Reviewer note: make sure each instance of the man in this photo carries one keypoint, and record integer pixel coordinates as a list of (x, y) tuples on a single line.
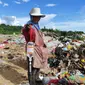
[(32, 33)]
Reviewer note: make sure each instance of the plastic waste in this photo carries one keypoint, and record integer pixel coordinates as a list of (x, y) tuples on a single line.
[(69, 47), (83, 60), (2, 45), (72, 77), (30, 48)]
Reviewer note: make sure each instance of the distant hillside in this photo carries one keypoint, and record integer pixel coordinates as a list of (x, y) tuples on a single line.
[(62, 33), (7, 29)]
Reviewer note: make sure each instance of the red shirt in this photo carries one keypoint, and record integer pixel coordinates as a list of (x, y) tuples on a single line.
[(29, 34)]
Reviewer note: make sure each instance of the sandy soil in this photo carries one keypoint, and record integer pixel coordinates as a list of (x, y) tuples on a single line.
[(13, 64)]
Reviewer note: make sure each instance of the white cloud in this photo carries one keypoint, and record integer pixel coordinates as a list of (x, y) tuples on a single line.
[(13, 20), (36, 5), (48, 17), (47, 21), (67, 26), (72, 25), (20, 1), (9, 19), (0, 21), (44, 21), (23, 20), (5, 4), (17, 2), (1, 2), (51, 5), (25, 0)]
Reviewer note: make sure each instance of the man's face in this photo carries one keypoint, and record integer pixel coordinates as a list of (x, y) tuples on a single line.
[(36, 19)]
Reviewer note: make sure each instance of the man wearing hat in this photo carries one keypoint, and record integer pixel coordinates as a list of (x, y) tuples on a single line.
[(32, 33)]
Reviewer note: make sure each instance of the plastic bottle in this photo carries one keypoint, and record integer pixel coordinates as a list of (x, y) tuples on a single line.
[(30, 48)]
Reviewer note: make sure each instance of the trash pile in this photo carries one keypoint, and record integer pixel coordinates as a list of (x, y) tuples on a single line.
[(64, 78), (10, 44), (67, 65), (67, 60)]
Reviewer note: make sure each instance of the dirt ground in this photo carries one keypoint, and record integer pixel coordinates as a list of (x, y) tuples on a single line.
[(13, 61), (13, 64)]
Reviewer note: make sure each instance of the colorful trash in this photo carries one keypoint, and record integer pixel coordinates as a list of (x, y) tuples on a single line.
[(69, 47), (72, 77), (82, 78), (2, 45), (83, 60)]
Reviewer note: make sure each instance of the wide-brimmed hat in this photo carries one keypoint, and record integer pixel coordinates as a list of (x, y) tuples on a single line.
[(36, 12)]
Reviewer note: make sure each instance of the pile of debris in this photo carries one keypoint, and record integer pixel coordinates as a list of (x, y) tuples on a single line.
[(66, 62), (69, 58)]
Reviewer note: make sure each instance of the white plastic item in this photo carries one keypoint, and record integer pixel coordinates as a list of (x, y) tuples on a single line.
[(30, 48)]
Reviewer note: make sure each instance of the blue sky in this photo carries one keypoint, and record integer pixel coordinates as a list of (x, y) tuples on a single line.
[(61, 14)]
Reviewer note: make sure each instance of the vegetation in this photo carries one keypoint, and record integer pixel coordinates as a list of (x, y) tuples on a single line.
[(63, 33), (7, 29), (74, 35)]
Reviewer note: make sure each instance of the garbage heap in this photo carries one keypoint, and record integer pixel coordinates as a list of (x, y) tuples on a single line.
[(67, 64), (67, 60)]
